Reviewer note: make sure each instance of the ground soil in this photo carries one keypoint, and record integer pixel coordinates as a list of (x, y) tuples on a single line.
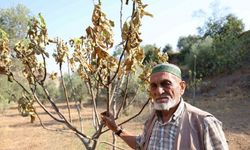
[(226, 96)]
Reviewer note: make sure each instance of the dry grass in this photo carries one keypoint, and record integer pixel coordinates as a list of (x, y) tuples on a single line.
[(16, 132)]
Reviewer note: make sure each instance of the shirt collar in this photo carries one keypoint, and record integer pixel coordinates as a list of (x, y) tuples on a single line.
[(178, 111), (176, 114)]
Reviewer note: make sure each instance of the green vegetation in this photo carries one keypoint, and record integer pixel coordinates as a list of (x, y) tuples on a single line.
[(220, 47), (14, 21)]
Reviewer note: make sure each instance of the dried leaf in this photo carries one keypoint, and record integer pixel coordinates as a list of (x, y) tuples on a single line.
[(144, 13), (128, 63), (101, 53), (53, 76)]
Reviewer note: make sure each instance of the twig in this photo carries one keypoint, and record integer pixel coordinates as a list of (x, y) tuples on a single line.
[(133, 99), (121, 8), (125, 47), (74, 98), (20, 84), (65, 121), (110, 144), (41, 123), (131, 117), (127, 2), (45, 109), (124, 99), (65, 92), (93, 96), (45, 69)]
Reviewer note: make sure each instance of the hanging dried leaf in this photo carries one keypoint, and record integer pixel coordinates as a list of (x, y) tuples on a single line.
[(53, 76), (101, 53), (5, 61), (25, 106), (61, 52)]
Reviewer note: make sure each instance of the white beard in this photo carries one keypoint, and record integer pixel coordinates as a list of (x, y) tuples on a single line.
[(164, 106)]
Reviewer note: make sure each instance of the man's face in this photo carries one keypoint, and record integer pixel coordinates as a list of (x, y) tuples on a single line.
[(166, 90)]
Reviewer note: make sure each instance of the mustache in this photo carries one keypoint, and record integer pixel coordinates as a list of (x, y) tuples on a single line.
[(165, 95)]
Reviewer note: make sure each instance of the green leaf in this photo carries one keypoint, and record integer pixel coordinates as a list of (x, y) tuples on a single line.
[(43, 24), (3, 34)]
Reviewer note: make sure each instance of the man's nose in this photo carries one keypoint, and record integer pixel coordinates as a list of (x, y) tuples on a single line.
[(160, 90)]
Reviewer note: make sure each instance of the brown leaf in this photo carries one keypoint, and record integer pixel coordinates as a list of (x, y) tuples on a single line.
[(144, 13), (53, 76), (128, 63), (101, 53)]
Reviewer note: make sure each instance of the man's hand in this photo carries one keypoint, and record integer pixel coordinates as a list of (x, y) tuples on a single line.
[(109, 121)]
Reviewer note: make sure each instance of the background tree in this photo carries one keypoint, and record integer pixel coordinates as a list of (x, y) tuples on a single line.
[(184, 46), (225, 52), (153, 55), (77, 89), (167, 49), (14, 21)]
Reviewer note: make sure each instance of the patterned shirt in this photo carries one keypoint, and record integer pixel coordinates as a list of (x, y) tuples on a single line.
[(164, 134)]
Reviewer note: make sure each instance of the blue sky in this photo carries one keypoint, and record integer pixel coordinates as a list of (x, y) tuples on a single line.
[(172, 18)]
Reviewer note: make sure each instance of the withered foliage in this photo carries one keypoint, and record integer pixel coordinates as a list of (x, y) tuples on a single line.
[(88, 55), (5, 60)]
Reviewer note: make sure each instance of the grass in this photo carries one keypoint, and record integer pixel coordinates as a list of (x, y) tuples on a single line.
[(17, 131)]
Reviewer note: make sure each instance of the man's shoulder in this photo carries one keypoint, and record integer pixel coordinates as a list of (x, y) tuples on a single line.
[(196, 111), (198, 114)]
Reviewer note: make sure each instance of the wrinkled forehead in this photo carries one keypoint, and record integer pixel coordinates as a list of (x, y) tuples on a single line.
[(167, 67), (163, 76)]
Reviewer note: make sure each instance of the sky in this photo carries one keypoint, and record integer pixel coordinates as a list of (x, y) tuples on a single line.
[(172, 18)]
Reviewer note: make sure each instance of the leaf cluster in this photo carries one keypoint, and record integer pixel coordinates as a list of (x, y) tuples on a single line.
[(5, 60)]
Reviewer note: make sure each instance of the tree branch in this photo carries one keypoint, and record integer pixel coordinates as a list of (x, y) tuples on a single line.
[(110, 144), (125, 47), (131, 117), (65, 91)]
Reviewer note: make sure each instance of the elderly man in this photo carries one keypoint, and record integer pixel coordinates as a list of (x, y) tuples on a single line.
[(174, 124)]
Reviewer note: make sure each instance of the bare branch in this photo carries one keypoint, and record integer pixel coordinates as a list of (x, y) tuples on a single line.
[(65, 91), (124, 98), (94, 96), (98, 132), (121, 8), (132, 100), (108, 88), (123, 52), (127, 2), (132, 116), (110, 144), (46, 110), (74, 98), (20, 84), (65, 121), (45, 69), (43, 125)]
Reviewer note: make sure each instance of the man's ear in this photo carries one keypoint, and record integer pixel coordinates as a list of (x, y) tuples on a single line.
[(183, 87)]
